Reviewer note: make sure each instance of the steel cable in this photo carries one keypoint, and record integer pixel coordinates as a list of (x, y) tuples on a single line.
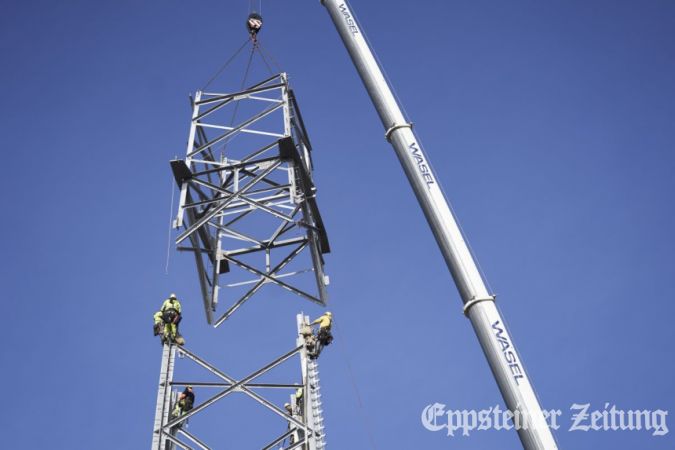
[(364, 417), (262, 56), (227, 63), (263, 51)]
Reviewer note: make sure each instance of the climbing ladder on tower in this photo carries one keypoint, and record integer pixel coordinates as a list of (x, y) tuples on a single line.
[(315, 401), (313, 410)]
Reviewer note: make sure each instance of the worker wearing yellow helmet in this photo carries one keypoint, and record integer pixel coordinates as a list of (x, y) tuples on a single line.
[(171, 303), (170, 315), (324, 321), (324, 335), (299, 398)]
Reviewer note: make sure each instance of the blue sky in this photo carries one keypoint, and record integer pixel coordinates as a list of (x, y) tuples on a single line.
[(550, 125)]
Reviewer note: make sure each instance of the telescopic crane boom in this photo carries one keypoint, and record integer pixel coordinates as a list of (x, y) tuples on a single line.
[(479, 305)]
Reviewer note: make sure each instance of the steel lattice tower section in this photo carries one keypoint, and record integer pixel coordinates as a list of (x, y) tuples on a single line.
[(247, 202), (248, 214), (304, 422)]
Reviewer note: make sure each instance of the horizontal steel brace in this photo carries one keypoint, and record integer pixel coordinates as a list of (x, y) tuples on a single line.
[(240, 94), (226, 385), (241, 130), (239, 165), (264, 246)]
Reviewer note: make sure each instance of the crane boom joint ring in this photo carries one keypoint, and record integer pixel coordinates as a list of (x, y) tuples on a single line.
[(395, 127), (473, 301)]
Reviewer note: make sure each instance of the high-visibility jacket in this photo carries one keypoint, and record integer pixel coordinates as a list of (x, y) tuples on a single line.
[(186, 400), (170, 303), (323, 321)]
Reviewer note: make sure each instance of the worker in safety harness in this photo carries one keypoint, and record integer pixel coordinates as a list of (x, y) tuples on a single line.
[(167, 320), (299, 402), (295, 410), (186, 401), (289, 411), (324, 335)]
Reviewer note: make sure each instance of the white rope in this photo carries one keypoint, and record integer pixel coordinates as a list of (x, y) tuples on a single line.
[(168, 244)]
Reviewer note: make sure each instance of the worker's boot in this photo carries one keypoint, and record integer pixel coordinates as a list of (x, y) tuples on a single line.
[(310, 344), (314, 353), (179, 340)]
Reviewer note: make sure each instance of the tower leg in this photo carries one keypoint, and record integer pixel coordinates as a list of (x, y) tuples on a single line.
[(312, 409), (162, 410)]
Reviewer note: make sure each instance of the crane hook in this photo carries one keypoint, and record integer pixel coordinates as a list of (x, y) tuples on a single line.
[(254, 24)]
